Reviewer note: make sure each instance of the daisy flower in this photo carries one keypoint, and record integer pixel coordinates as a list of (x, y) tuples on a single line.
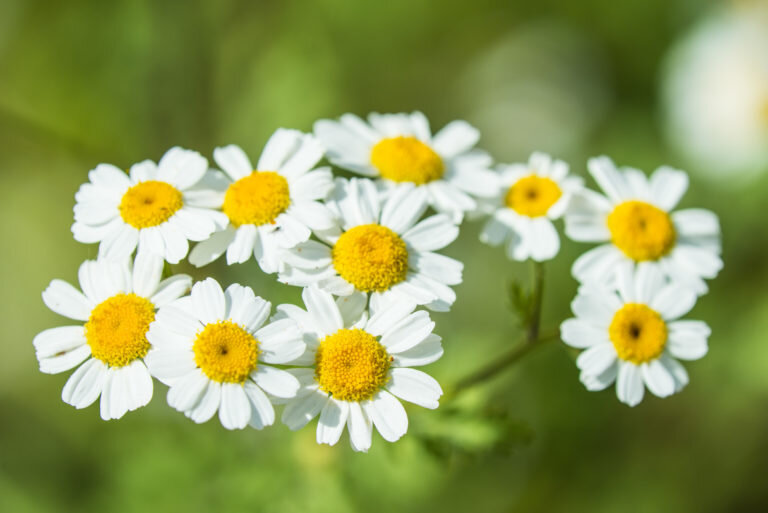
[(215, 353), (635, 224), (274, 206), (359, 365), (400, 148), (632, 334), (118, 305), (530, 196), (379, 248), (157, 207)]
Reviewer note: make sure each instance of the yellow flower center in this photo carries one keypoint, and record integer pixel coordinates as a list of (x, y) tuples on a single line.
[(638, 333), (226, 352), (641, 231), (371, 257), (150, 203), (117, 329), (406, 159), (257, 199), (533, 195), (351, 365)]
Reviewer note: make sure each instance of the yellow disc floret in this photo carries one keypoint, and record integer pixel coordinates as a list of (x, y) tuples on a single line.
[(406, 159), (641, 231), (371, 257), (225, 352), (117, 329), (533, 196), (150, 203), (351, 365), (638, 333), (257, 198)]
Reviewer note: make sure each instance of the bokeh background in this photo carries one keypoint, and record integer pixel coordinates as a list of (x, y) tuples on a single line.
[(84, 82)]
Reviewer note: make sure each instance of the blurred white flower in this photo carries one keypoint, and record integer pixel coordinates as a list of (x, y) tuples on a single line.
[(716, 92)]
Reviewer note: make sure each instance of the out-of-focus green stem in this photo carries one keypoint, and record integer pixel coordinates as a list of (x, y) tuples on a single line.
[(533, 338)]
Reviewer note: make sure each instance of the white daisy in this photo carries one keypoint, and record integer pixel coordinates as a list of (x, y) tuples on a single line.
[(359, 365), (211, 349), (159, 207), (530, 196), (399, 148), (274, 206), (635, 222), (118, 305), (632, 334), (379, 248)]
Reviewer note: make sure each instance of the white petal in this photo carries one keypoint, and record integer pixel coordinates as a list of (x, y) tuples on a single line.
[(101, 279), (454, 138), (315, 185), (596, 309), (438, 267), (147, 271), (415, 387), (245, 308), (235, 409), (604, 171), (182, 168), (282, 144), (667, 187), (543, 239), (208, 404), (176, 245), (598, 264), (281, 341), (65, 360), (629, 384), (596, 359), (581, 334), (303, 409), (333, 418), (449, 199), (151, 241), (387, 315), (323, 310), (676, 370), (688, 339), (263, 413), (178, 320), (187, 391), (601, 381), (404, 207), (360, 428), (171, 289), (84, 385), (275, 382), (120, 243), (408, 332), (209, 250), (352, 307), (696, 222), (494, 232), (658, 380), (388, 415), (208, 301), (673, 301), (169, 364), (241, 247), (266, 251), (470, 175), (424, 353), (233, 161), (313, 214), (348, 142), (433, 233), (587, 228), (304, 158), (110, 177), (197, 224), (90, 234), (291, 231), (53, 341)]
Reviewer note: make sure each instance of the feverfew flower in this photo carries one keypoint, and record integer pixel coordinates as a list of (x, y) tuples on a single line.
[(215, 353), (158, 207), (118, 305), (529, 198), (635, 224), (360, 365), (272, 207), (399, 149), (379, 248), (632, 335)]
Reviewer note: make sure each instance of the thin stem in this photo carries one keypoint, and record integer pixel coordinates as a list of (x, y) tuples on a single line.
[(533, 338)]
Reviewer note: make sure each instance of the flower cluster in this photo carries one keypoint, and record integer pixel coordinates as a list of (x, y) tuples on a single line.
[(366, 252)]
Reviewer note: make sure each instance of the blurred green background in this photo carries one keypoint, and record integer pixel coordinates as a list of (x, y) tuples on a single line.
[(84, 82)]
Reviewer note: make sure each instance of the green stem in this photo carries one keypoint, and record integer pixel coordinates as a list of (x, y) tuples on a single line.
[(533, 338)]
